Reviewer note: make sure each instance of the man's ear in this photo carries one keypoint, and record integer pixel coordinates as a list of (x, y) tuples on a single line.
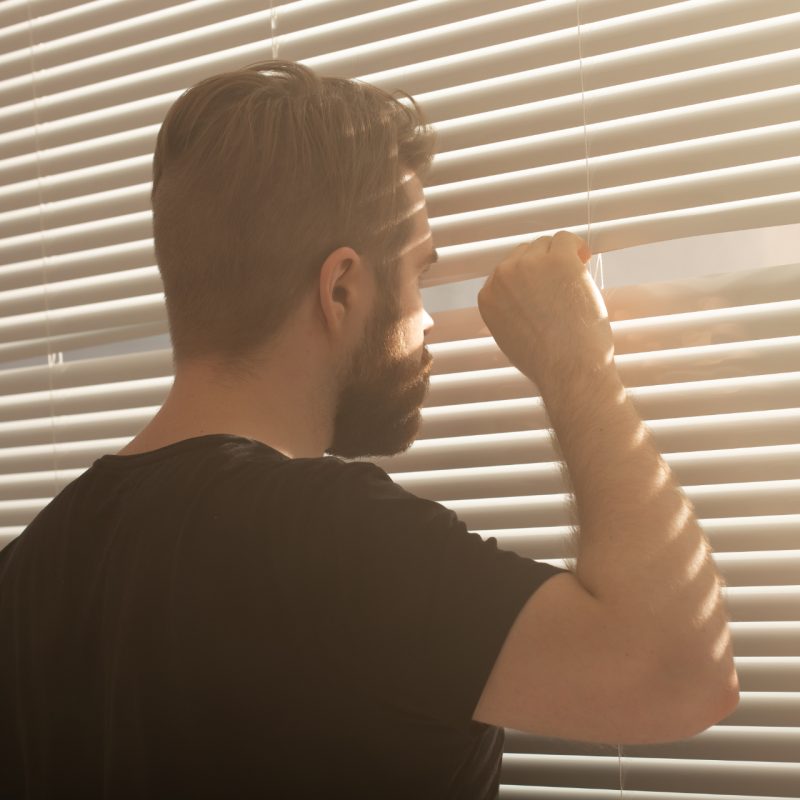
[(343, 288)]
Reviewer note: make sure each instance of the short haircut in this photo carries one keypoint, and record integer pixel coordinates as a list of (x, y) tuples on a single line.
[(258, 175)]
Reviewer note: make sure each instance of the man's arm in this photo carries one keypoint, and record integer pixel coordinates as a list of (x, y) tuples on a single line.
[(641, 551)]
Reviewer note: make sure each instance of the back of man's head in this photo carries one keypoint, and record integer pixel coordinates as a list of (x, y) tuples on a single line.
[(256, 179)]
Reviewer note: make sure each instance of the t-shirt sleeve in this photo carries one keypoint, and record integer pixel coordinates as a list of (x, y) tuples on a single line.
[(420, 605)]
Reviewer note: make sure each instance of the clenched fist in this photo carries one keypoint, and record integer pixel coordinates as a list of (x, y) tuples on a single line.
[(544, 310)]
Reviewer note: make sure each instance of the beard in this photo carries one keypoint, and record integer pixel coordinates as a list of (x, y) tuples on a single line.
[(381, 392)]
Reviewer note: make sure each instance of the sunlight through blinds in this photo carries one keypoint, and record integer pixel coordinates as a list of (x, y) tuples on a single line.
[(627, 122)]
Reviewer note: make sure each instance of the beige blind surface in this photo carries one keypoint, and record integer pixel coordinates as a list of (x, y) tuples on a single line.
[(629, 122)]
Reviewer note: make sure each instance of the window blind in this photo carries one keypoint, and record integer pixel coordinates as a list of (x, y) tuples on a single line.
[(629, 123)]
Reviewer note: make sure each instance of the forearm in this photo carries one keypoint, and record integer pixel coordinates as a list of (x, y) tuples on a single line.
[(641, 550)]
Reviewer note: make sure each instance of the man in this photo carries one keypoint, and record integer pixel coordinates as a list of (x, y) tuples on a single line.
[(222, 610)]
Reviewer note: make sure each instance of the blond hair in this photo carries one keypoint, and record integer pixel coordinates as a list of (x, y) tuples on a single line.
[(257, 178)]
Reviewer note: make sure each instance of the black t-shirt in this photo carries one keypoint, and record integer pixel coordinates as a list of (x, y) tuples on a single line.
[(213, 619)]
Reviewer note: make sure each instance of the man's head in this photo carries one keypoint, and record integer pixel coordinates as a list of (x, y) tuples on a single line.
[(260, 181)]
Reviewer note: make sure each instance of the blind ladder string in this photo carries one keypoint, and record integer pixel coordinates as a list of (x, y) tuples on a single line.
[(274, 28), (58, 357), (597, 272), (598, 265)]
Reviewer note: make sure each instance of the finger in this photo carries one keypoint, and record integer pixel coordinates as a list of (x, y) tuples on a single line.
[(566, 241), (540, 245)]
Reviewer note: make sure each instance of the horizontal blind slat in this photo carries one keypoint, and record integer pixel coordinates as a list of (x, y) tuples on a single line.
[(726, 534), (756, 637), (744, 778), (719, 742)]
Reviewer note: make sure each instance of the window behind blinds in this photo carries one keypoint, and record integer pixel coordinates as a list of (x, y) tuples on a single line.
[(629, 123)]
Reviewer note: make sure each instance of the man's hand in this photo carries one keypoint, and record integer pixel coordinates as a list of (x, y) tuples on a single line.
[(545, 311)]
